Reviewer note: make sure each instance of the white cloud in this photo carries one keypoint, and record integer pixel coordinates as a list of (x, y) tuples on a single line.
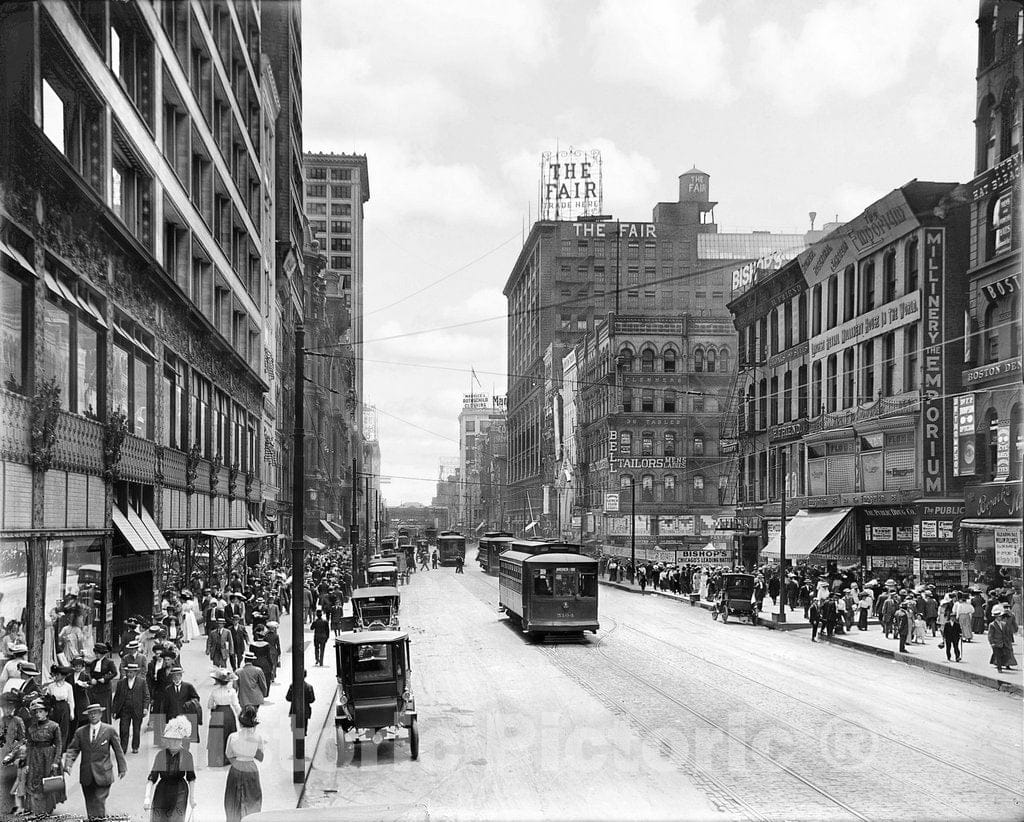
[(839, 50), (662, 45)]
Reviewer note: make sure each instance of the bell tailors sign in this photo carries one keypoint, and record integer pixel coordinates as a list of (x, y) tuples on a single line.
[(571, 185)]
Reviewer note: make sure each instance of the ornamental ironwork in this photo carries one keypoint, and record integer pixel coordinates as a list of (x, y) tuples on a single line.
[(192, 468), (115, 429), (45, 413)]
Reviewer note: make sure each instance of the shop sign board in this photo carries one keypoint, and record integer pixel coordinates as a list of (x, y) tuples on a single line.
[(619, 526), (611, 502), (963, 435), (901, 311), (1002, 451), (881, 534), (934, 365), (677, 526), (1008, 544), (904, 533), (983, 373), (996, 500)]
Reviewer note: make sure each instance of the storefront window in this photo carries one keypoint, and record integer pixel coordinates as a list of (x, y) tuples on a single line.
[(14, 571), (72, 567), (13, 296), (88, 371), (57, 348)]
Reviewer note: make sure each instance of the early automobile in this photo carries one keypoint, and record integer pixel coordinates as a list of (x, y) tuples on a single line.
[(382, 572), (735, 596), (375, 700), (375, 608)]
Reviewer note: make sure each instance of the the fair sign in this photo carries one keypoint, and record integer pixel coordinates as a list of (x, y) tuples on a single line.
[(570, 184)]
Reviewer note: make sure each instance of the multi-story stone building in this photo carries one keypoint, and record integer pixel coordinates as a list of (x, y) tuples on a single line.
[(850, 355), (133, 183), (987, 420), (476, 418), (570, 275), (336, 189)]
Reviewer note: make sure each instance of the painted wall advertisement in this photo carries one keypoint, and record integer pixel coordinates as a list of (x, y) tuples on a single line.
[(964, 456), (677, 526), (884, 221), (934, 361), (619, 526), (1008, 543)]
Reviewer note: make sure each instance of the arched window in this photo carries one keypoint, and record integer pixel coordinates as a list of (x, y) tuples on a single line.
[(988, 26), (698, 488), (670, 488), (698, 359), (723, 359), (626, 358), (670, 444), (668, 403), (712, 360), (698, 445), (913, 267), (647, 444), (647, 360), (1010, 119), (670, 360), (647, 488), (992, 333), (625, 442), (987, 133)]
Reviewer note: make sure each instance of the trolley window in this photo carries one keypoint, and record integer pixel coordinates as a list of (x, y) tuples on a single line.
[(557, 582), (588, 585), (373, 663)]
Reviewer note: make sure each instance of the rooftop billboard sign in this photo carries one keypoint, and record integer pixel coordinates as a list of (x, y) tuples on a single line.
[(571, 184)]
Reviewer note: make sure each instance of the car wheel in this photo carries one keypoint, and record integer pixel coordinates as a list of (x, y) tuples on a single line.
[(414, 740)]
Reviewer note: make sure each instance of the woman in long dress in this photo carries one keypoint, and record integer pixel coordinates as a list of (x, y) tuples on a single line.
[(71, 639), (12, 737), (62, 702), (223, 706), (243, 794), (189, 622), (44, 752), (170, 790)]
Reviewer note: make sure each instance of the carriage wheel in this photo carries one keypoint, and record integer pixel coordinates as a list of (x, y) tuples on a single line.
[(414, 740)]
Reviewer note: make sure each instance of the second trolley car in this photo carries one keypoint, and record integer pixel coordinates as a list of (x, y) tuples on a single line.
[(450, 546), (549, 587), (492, 545)]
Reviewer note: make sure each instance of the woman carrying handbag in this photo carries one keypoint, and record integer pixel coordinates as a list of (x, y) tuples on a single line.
[(44, 752)]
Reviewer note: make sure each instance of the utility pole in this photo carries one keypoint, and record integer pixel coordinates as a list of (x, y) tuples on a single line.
[(781, 616), (353, 528), (298, 561), (632, 529), (366, 521)]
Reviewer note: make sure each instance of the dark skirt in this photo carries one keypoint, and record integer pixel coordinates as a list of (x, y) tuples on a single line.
[(222, 725), (1003, 657), (61, 714), (170, 801), (242, 794)]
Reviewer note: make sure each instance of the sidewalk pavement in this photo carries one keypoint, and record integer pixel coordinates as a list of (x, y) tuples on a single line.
[(279, 790), (974, 666)]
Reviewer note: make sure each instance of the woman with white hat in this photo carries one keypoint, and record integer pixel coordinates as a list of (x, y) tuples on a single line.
[(170, 791), (223, 706), (44, 752), (18, 653)]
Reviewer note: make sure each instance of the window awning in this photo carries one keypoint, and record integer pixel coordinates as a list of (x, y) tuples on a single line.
[(807, 531), (17, 256), (259, 529), (139, 531), (232, 533), (330, 529), (990, 524), (314, 542)]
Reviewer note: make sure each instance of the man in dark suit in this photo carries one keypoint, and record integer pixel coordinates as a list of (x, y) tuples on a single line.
[(181, 698), (252, 682), (95, 742), (219, 645), (156, 679), (102, 671), (131, 702), (239, 641)]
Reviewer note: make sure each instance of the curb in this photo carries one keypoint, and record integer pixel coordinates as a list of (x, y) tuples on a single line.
[(954, 673)]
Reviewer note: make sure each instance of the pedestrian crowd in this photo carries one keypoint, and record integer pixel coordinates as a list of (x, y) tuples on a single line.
[(834, 603), (93, 704)]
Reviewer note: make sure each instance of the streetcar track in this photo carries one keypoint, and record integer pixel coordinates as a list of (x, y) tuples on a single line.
[(833, 714)]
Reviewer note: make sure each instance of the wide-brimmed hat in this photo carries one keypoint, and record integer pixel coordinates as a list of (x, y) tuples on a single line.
[(100, 648), (133, 645), (37, 704), (28, 668), (63, 670), (178, 728), (272, 624), (94, 706), (176, 669), (17, 648), (249, 655), (223, 675), (131, 666)]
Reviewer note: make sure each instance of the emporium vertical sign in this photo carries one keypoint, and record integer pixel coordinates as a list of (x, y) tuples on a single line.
[(933, 405)]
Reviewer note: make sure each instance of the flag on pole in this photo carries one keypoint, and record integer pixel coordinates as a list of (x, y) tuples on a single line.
[(476, 379)]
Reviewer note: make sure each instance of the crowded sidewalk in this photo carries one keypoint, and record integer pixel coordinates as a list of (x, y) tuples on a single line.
[(975, 655)]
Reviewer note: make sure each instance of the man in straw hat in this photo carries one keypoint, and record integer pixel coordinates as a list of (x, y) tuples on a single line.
[(220, 645), (180, 699), (131, 702), (253, 687), (96, 742)]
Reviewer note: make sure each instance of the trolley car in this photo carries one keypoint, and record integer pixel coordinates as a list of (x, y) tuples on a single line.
[(404, 537), (548, 587), (430, 534), (492, 545), (450, 546)]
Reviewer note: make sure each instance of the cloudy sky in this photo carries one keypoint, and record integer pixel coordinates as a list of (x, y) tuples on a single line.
[(791, 106)]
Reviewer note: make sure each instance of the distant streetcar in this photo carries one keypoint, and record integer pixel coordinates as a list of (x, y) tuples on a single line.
[(430, 534), (548, 587), (450, 546), (492, 545)]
